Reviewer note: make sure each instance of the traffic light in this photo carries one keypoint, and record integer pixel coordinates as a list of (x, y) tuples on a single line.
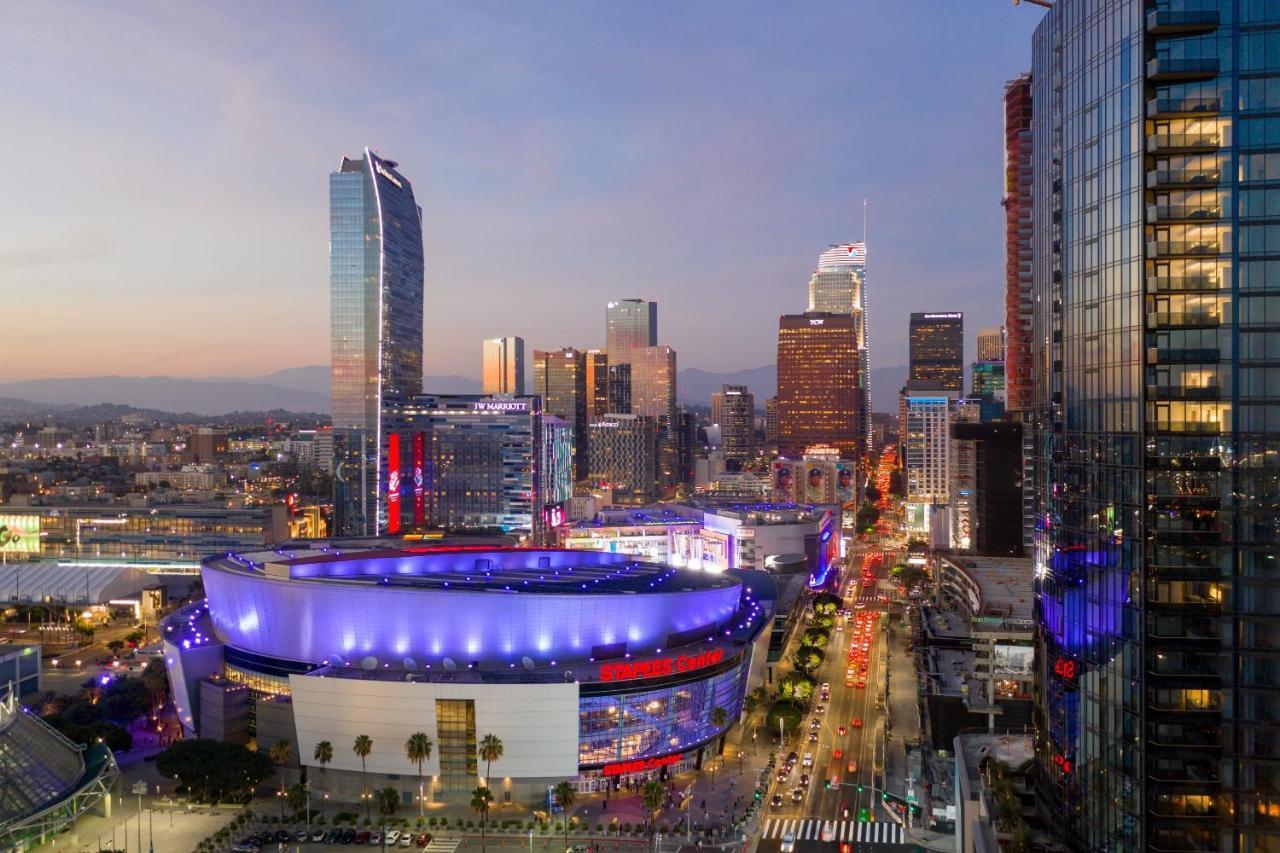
[(859, 789), (759, 794), (827, 783)]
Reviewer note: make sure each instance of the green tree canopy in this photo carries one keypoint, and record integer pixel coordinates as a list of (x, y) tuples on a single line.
[(796, 685), (808, 658), (789, 711), (815, 637), (214, 769), (826, 604), (823, 622)]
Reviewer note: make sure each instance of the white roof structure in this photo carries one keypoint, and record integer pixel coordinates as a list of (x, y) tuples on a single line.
[(47, 582)]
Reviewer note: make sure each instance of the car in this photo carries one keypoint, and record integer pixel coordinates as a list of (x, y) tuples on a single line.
[(813, 737), (853, 766), (282, 836), (317, 837), (804, 780), (857, 722), (406, 840), (361, 837), (837, 753), (807, 761), (302, 836), (815, 723), (393, 835), (788, 844), (375, 837), (849, 683), (828, 831), (423, 839), (862, 685), (349, 835), (821, 709), (776, 801), (792, 758), (328, 836), (784, 774), (840, 730), (797, 795)]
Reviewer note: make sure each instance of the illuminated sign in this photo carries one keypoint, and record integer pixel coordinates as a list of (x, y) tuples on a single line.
[(393, 483), (554, 515), (955, 315), (1065, 668), (384, 172), (501, 406), (816, 322), (658, 667), (621, 768), (419, 480), (1062, 763), (612, 424)]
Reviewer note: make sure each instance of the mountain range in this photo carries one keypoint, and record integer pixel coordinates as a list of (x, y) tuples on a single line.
[(306, 389)]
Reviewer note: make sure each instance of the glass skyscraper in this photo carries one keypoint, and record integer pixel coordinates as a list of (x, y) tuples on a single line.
[(936, 341), (839, 286), (376, 312), (1156, 153)]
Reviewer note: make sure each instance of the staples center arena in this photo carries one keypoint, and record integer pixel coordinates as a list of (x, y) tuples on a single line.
[(589, 666)]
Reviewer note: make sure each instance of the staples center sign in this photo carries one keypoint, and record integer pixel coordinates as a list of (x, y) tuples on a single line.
[(659, 667)]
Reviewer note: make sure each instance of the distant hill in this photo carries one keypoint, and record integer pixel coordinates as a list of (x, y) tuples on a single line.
[(695, 386)]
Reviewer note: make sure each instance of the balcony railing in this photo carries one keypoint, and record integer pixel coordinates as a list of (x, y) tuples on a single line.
[(1184, 319), (1183, 282), (1183, 356), (1190, 105), (1173, 21), (1168, 248), (1167, 68), (1183, 142), (1183, 177), (1186, 392), (1189, 427), (1182, 212)]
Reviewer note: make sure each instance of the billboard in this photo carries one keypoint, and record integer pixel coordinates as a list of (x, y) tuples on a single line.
[(816, 480), (1012, 660), (21, 534), (784, 482), (845, 482), (393, 483)]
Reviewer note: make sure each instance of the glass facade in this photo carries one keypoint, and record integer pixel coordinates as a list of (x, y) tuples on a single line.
[(630, 324), (376, 312), (1159, 689), (820, 400), (560, 378), (456, 741), (937, 351)]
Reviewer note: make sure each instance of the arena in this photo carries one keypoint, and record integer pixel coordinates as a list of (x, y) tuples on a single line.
[(592, 667)]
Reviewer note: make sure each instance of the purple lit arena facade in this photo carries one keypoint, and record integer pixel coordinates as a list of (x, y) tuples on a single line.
[(583, 663)]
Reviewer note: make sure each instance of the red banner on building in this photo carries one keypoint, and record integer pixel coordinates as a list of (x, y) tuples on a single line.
[(393, 483), (419, 509)]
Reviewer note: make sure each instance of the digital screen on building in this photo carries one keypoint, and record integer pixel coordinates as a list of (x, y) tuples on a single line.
[(20, 534), (1012, 660), (553, 515)]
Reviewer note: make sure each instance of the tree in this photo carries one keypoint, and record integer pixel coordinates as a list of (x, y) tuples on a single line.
[(565, 795), (280, 753), (872, 493), (388, 801), (827, 604), (134, 638), (297, 797), (362, 746), (653, 795), (323, 754), (796, 685), (480, 799), (823, 622), (808, 658), (788, 711), (490, 751), (867, 516), (213, 769), (418, 750), (156, 680), (115, 646), (815, 637)]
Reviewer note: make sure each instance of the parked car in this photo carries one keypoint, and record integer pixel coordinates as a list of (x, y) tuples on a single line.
[(393, 835), (362, 837)]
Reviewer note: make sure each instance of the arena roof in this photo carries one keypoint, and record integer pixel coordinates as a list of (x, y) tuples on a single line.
[(47, 582)]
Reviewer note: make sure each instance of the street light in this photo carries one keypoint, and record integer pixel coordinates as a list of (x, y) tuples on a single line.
[(139, 788)]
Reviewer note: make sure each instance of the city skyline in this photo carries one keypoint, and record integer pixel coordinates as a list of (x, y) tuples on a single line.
[(559, 206)]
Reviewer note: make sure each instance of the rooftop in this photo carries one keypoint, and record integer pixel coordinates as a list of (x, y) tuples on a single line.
[(1005, 583)]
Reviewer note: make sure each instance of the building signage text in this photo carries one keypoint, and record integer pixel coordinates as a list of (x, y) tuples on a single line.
[(622, 768), (659, 667)]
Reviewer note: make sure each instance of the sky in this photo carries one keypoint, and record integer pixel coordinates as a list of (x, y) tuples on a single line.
[(166, 184)]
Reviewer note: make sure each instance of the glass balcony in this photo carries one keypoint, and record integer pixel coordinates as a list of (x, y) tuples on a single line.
[(1190, 105), (1162, 142), (1157, 283), (1184, 319), (1183, 177), (1183, 212), (1181, 21), (1167, 69), (1186, 392), (1173, 248)]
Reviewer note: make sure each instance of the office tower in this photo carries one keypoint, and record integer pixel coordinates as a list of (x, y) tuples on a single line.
[(687, 446), (992, 526), (717, 407), (504, 366), (1156, 432), (375, 292), (597, 382), (653, 395), (991, 344), (926, 449), (624, 458), (1017, 242), (472, 462), (936, 351), (560, 378), (839, 286), (771, 420), (620, 388), (630, 324), (738, 423), (819, 399), (988, 378), (207, 444)]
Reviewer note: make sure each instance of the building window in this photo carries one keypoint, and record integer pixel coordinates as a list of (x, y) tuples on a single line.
[(456, 740)]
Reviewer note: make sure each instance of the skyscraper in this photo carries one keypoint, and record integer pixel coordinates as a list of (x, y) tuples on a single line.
[(937, 351), (819, 399), (839, 286), (629, 325), (1017, 242), (991, 344), (376, 313), (624, 457), (737, 423), (1153, 407), (653, 395), (597, 381), (503, 366), (560, 378)]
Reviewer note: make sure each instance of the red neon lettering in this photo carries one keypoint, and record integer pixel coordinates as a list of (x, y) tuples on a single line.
[(640, 765), (1065, 667), (659, 667)]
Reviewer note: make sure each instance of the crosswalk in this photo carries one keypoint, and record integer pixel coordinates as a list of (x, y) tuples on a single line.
[(810, 829)]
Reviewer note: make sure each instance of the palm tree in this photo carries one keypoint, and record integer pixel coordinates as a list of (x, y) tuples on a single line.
[(362, 747), (418, 750), (490, 751), (280, 753), (323, 753), (653, 794), (565, 794), (480, 799)]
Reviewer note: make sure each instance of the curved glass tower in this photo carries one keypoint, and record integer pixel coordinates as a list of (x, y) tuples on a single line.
[(376, 311)]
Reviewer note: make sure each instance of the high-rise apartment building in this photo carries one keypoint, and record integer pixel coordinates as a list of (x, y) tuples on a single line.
[(819, 398), (624, 459), (560, 378), (771, 420), (737, 423), (936, 342), (839, 286), (630, 324), (991, 344), (376, 313), (503, 366), (653, 395), (1153, 358), (1018, 295), (926, 449), (597, 382)]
